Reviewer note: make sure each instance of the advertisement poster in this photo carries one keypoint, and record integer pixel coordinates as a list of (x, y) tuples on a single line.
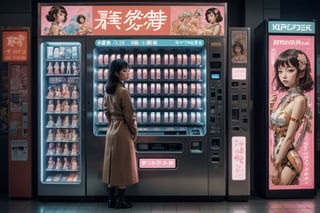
[(291, 112), (133, 20), (15, 45), (239, 48)]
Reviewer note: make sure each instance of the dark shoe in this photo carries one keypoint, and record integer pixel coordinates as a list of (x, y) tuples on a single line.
[(121, 203), (112, 197)]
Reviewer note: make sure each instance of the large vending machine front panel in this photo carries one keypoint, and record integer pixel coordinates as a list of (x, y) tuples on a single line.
[(177, 85), (178, 88)]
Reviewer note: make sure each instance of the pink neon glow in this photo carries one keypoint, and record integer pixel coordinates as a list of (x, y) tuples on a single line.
[(157, 163)]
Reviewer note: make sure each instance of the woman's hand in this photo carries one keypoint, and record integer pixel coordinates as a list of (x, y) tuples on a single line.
[(275, 175), (272, 100)]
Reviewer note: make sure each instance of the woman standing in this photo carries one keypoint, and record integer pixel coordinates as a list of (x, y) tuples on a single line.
[(292, 74), (120, 164)]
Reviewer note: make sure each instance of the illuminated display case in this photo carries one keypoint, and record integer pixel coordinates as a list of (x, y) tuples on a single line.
[(60, 107), (167, 84)]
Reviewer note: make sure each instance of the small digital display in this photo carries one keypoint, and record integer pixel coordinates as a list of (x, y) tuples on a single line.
[(215, 75)]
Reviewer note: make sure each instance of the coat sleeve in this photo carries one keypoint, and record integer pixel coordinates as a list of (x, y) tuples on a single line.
[(129, 112), (106, 109)]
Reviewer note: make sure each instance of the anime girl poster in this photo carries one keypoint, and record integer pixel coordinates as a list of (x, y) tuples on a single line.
[(66, 20), (291, 81)]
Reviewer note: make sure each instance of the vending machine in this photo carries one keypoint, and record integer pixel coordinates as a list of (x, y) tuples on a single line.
[(284, 96), (178, 74)]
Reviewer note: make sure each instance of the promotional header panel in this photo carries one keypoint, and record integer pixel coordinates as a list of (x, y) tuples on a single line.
[(206, 20)]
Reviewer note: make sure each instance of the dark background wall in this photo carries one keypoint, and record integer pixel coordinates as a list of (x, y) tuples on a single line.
[(241, 13)]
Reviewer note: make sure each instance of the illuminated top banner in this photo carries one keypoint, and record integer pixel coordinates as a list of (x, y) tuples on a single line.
[(206, 20), (300, 27)]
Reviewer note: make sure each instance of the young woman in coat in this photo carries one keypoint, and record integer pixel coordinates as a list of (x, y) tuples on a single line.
[(120, 163)]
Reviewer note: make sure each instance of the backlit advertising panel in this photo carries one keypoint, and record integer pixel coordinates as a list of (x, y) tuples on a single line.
[(291, 112), (206, 20)]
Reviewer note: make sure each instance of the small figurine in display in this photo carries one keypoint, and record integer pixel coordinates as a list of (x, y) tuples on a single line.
[(58, 149), (66, 91), (50, 106), (75, 68), (66, 121), (50, 92), (74, 122), (58, 92), (66, 106), (51, 149), (58, 106), (66, 164), (67, 135), (66, 149), (50, 122), (75, 93), (74, 163), (51, 163), (59, 135), (59, 121), (74, 149), (74, 106), (50, 135), (62, 68), (56, 68), (50, 69), (74, 135), (59, 163), (68, 68)]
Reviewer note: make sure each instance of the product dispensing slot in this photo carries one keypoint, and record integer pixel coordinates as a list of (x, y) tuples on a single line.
[(215, 158), (215, 65), (159, 147), (235, 114), (215, 143)]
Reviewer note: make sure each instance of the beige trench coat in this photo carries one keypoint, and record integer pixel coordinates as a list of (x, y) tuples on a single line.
[(120, 163)]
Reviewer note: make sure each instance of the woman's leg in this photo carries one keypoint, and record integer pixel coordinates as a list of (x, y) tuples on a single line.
[(121, 202)]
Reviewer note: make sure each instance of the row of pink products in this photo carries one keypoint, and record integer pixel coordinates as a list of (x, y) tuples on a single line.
[(65, 164), (63, 121), (153, 59), (63, 68), (161, 103), (62, 149), (159, 88), (63, 91), (72, 177), (162, 117), (63, 106), (62, 135), (157, 73)]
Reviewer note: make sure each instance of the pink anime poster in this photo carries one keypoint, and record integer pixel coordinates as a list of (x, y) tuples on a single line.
[(66, 20), (291, 112), (198, 20)]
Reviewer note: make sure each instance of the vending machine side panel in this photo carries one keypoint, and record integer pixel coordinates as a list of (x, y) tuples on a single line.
[(239, 111)]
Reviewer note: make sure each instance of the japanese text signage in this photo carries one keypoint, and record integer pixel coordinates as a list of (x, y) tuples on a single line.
[(133, 20), (15, 45), (301, 27)]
